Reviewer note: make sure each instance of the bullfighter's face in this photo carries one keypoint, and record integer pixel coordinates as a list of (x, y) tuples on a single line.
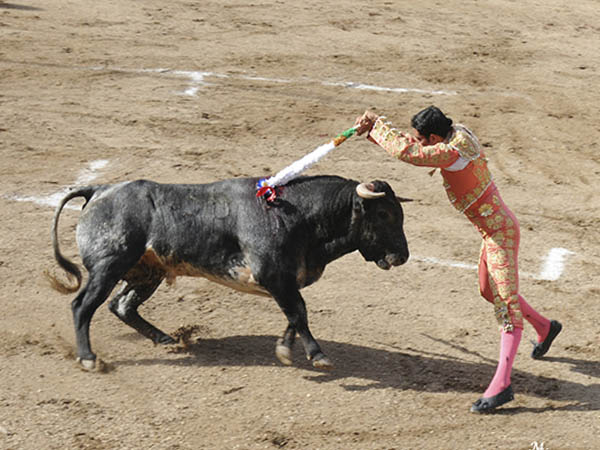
[(432, 139)]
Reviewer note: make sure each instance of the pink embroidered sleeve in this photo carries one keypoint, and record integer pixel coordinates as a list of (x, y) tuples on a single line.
[(406, 147)]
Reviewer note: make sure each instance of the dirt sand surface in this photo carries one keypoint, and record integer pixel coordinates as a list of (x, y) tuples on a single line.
[(182, 91)]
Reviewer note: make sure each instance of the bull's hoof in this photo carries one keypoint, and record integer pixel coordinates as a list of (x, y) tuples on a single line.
[(95, 365), (87, 364), (322, 362), (165, 339), (284, 354)]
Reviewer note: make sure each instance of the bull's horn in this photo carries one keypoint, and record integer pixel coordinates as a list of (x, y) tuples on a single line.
[(366, 190)]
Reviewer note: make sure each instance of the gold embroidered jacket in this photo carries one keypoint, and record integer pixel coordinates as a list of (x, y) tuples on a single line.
[(461, 160)]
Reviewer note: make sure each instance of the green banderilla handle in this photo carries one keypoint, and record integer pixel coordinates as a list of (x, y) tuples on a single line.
[(345, 135)]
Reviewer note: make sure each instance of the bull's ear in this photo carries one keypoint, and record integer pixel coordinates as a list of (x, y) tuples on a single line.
[(404, 200)]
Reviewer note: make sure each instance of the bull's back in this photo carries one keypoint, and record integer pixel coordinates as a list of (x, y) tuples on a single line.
[(197, 230), (201, 217), (193, 229)]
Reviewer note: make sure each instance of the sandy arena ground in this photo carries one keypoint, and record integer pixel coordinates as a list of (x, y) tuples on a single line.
[(185, 91)]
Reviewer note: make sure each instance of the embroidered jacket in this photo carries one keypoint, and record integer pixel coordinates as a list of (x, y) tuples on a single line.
[(461, 160)]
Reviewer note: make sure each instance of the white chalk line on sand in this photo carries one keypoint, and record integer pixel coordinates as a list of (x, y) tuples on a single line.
[(552, 268), (86, 176), (553, 264), (198, 80)]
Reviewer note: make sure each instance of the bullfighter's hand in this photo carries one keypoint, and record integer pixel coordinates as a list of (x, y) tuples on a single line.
[(365, 122)]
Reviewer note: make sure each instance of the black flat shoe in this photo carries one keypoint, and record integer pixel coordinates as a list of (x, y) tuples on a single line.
[(541, 348), (488, 404)]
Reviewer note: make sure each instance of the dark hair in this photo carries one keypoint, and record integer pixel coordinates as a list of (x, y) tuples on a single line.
[(431, 120)]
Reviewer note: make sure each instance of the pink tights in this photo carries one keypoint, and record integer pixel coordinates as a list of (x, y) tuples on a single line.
[(499, 284), (509, 340), (509, 343), (539, 322)]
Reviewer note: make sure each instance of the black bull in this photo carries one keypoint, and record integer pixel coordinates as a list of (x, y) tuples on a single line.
[(142, 232)]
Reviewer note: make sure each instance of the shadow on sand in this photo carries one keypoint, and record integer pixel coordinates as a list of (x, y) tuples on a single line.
[(18, 7), (408, 369)]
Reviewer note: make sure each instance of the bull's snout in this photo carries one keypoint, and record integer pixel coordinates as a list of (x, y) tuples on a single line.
[(392, 259)]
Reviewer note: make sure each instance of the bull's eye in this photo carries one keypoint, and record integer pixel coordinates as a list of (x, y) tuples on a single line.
[(384, 215)]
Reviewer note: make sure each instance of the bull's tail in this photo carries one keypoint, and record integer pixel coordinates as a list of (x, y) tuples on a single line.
[(69, 267)]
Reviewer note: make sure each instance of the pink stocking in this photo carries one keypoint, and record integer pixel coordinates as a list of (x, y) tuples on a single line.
[(539, 322), (509, 343)]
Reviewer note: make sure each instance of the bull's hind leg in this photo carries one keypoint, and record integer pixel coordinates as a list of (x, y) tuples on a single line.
[(283, 350), (126, 302), (95, 292)]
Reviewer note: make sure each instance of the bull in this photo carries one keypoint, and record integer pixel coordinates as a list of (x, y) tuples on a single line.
[(141, 233)]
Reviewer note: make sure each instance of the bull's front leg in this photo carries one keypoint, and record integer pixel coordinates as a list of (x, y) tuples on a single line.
[(292, 304)]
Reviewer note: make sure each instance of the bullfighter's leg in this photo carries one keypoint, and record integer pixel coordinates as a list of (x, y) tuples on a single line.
[(126, 302), (499, 262), (283, 350), (293, 306)]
